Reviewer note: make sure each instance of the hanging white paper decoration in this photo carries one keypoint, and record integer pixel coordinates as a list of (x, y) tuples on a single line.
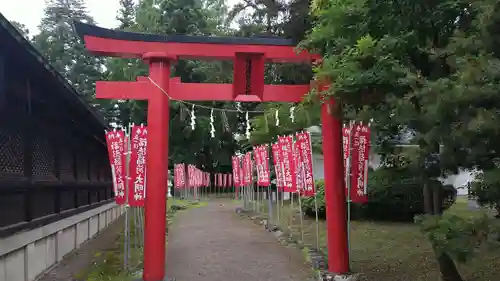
[(277, 117), (292, 114), (212, 130), (238, 106), (193, 118), (247, 133)]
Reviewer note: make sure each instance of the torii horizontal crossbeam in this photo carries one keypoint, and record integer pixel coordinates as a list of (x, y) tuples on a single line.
[(138, 90), (108, 42)]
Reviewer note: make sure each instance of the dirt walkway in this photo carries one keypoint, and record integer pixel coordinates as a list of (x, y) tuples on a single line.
[(212, 243)]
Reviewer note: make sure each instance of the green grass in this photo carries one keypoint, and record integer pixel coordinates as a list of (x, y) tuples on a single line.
[(397, 251)]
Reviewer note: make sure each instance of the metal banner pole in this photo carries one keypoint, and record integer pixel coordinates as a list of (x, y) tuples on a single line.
[(301, 220), (127, 207), (348, 184)]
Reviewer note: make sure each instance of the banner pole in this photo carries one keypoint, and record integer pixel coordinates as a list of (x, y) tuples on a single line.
[(348, 183), (301, 220), (127, 190)]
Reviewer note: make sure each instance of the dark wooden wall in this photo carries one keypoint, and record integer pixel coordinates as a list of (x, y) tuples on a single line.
[(51, 164)]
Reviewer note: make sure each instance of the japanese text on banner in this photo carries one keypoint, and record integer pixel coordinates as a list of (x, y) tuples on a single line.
[(359, 163), (277, 165), (286, 150), (115, 142), (138, 173), (304, 140)]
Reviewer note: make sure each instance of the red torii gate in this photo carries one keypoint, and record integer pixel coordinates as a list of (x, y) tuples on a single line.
[(248, 56)]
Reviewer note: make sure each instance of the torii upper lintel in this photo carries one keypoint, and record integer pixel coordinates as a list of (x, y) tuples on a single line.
[(108, 42)]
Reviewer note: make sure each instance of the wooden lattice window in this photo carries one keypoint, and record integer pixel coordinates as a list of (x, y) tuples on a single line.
[(11, 153), (43, 158)]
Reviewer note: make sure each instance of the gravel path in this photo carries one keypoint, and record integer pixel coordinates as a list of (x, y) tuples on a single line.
[(212, 243)]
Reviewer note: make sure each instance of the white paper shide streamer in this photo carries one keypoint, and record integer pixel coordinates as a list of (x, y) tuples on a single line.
[(193, 118), (212, 127), (292, 114), (247, 133), (277, 117)]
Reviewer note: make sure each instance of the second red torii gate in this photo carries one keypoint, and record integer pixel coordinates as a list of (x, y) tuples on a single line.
[(249, 56)]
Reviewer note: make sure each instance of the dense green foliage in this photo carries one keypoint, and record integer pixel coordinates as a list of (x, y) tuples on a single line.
[(394, 195), (486, 188)]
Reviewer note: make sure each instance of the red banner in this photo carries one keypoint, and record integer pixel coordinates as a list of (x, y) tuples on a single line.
[(256, 157), (179, 181), (264, 156), (206, 179), (305, 153), (115, 141), (277, 165), (137, 168), (346, 138), (286, 154), (236, 170), (247, 169), (196, 175), (262, 165), (190, 176), (359, 163), (297, 162)]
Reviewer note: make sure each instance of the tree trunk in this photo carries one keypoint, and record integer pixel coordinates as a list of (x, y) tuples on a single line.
[(427, 193), (448, 268), (437, 200), (432, 205)]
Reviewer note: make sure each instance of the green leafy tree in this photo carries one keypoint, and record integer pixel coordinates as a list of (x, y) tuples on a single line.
[(60, 45), (126, 14), (392, 62), (486, 188)]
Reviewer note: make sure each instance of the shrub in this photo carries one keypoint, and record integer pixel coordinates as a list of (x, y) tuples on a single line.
[(393, 195), (486, 188)]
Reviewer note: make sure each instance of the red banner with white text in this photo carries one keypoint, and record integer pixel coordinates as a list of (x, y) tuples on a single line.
[(236, 170), (277, 165), (360, 149), (286, 149), (262, 165), (305, 152), (247, 169), (297, 161), (179, 179), (116, 147), (137, 168), (256, 157), (264, 156)]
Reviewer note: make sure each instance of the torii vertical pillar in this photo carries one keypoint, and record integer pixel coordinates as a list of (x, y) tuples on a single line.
[(157, 164), (335, 197)]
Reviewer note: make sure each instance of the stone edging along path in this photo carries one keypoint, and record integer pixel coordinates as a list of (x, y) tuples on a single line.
[(315, 258)]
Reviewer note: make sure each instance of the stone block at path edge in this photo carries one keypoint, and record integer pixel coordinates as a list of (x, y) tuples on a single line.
[(326, 276)]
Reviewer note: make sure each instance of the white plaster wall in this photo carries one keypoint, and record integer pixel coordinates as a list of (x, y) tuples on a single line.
[(26, 255)]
